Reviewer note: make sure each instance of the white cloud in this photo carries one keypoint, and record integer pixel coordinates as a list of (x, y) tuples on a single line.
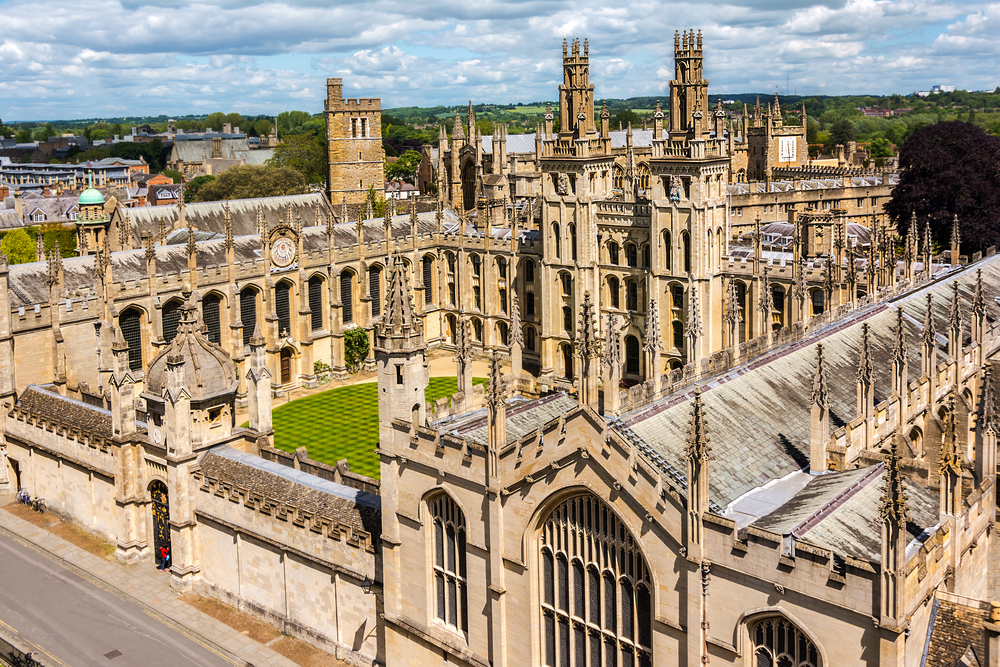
[(155, 56)]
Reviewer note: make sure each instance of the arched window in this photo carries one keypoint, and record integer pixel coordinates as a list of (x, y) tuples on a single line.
[(374, 289), (502, 294), (631, 255), (529, 304), (170, 318), (567, 283), (452, 326), (776, 642), (613, 253), (632, 355), (529, 338), (347, 296), (248, 312), (667, 251), (678, 331), (686, 243), (502, 268), (211, 316), (572, 240), (614, 289), (502, 331), (568, 320), (477, 297), (451, 293), (428, 279), (645, 255), (567, 351), (477, 266), (677, 296), (529, 271), (451, 263), (477, 330), (555, 240), (595, 601), (316, 303), (818, 302), (451, 599), (631, 295), (130, 323), (282, 307)]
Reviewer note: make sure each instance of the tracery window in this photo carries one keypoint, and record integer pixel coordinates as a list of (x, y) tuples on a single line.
[(451, 603), (596, 603), (778, 643)]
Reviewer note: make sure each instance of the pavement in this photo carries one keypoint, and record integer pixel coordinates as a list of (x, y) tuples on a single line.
[(75, 609)]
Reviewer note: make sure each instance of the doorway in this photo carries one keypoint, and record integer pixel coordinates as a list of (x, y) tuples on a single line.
[(15, 470), (286, 366), (161, 519)]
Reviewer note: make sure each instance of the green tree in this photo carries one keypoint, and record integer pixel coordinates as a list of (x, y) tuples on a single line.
[(215, 120), (880, 148), (98, 135), (174, 175), (18, 246), (355, 348), (841, 132), (404, 168), (250, 181), (377, 202), (305, 153), (623, 118), (192, 188), (23, 136), (234, 119)]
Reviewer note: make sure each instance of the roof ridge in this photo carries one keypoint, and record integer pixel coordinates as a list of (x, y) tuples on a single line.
[(837, 501)]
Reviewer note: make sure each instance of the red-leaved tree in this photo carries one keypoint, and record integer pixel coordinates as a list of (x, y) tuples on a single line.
[(950, 169)]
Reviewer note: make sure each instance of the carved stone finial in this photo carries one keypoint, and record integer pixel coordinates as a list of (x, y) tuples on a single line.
[(496, 390), (819, 390), (693, 328), (612, 348), (978, 301), (899, 341), (866, 370), (651, 342), (951, 463), (893, 507), (697, 448)]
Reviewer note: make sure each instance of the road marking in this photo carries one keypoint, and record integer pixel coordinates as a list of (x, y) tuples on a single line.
[(178, 628)]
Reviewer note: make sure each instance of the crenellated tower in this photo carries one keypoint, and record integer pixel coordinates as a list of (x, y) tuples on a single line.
[(576, 93)]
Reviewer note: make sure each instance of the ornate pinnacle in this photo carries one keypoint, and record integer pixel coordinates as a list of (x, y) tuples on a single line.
[(866, 372), (893, 508), (587, 344), (899, 343), (463, 343), (955, 314), (124, 230), (838, 238), (413, 212), (910, 242), (191, 247), (697, 449), (228, 220), (261, 226), (612, 348), (987, 406), (150, 253), (651, 343), (799, 289), (693, 328), (956, 232), (516, 336), (819, 391), (950, 464), (766, 303), (733, 314), (496, 391), (52, 275), (929, 336), (978, 302)]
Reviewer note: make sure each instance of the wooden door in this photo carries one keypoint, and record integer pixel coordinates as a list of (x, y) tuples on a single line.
[(286, 367)]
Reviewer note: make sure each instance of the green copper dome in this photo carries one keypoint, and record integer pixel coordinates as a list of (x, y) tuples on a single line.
[(90, 195)]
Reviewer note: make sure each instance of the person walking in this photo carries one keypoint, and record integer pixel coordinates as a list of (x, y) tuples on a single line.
[(164, 558)]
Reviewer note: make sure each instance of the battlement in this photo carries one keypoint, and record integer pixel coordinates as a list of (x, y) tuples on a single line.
[(335, 100)]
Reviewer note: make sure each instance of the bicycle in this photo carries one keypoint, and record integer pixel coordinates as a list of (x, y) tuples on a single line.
[(23, 497), (38, 504)]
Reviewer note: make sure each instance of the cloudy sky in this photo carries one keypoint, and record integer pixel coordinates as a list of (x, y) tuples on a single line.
[(73, 59)]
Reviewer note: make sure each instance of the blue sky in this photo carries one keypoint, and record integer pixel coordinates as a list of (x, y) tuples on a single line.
[(71, 59)]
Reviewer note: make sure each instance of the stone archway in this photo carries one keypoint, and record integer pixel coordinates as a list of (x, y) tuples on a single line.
[(160, 503), (286, 365)]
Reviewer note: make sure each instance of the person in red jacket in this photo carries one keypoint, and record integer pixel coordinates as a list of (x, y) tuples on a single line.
[(164, 558)]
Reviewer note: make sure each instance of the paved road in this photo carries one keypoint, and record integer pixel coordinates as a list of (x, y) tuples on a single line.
[(77, 623)]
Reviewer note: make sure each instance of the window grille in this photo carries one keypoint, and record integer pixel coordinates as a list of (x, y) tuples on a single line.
[(374, 287), (316, 303), (631, 295), (630, 254), (428, 280), (777, 641), (347, 298), (529, 271), (170, 318), (568, 320), (529, 304), (211, 315), (248, 313), (613, 292), (613, 253), (451, 606), (632, 355), (283, 308), (130, 323), (596, 605)]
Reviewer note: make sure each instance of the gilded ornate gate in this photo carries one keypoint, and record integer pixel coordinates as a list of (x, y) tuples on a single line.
[(161, 519)]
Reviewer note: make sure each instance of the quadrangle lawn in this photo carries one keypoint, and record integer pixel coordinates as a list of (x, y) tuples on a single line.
[(342, 423)]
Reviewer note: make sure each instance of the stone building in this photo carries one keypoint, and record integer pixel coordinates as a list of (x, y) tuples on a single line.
[(354, 137)]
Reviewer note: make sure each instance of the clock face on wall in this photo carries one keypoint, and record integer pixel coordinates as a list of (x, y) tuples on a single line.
[(283, 252)]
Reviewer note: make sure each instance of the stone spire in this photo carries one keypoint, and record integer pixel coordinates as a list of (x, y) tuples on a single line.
[(458, 132), (652, 343), (928, 337), (893, 508), (398, 319), (866, 370), (819, 416), (697, 448), (693, 329), (516, 334), (951, 462), (612, 364), (978, 309), (928, 251), (496, 405), (899, 340), (956, 241), (697, 454), (900, 368), (588, 349), (734, 314), (228, 222), (894, 516), (463, 355), (55, 266), (954, 323), (766, 303), (866, 388)]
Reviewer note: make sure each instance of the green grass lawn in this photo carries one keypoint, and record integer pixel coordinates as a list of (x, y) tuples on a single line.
[(342, 423)]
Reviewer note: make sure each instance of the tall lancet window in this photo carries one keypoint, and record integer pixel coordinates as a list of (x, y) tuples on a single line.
[(776, 642), (595, 597), (450, 606)]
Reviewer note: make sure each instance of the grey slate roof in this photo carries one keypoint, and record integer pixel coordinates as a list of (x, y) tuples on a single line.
[(758, 415), (58, 409), (840, 512), (271, 480), (194, 150), (523, 417)]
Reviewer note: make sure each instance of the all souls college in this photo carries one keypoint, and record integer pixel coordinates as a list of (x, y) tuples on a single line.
[(739, 426)]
